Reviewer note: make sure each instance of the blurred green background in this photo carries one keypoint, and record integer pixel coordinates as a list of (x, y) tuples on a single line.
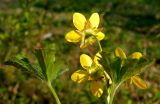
[(29, 24)]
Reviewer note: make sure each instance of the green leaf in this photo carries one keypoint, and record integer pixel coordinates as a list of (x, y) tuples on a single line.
[(50, 67), (23, 63), (49, 58), (50, 63), (116, 67), (47, 68), (112, 65), (133, 67), (121, 70), (105, 62), (58, 70), (156, 96), (41, 60)]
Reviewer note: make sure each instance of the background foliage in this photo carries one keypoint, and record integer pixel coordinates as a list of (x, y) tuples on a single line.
[(29, 24)]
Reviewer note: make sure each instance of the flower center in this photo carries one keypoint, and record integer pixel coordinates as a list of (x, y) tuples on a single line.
[(89, 32)]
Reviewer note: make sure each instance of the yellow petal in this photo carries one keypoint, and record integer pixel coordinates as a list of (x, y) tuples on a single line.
[(79, 21), (100, 36), (138, 82), (94, 20), (119, 53), (136, 55), (96, 88), (109, 78), (79, 76), (86, 61), (97, 57), (72, 36)]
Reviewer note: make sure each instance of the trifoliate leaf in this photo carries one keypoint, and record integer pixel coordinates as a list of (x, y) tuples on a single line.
[(46, 69)]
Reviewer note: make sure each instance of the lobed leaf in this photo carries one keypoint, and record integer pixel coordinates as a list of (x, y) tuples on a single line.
[(121, 70), (50, 68), (24, 64), (46, 69)]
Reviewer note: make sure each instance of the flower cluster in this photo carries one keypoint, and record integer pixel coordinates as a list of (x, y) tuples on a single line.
[(87, 33), (90, 73), (101, 75)]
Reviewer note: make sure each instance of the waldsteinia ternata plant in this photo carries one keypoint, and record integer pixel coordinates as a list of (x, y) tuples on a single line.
[(106, 71)]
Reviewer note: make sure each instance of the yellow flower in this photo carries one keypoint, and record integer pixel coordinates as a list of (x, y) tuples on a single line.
[(90, 67), (120, 53), (136, 55), (136, 80), (97, 88), (97, 57), (87, 31)]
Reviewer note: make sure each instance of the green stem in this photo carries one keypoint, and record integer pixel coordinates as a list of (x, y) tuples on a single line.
[(111, 94), (83, 40), (54, 93), (100, 47)]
